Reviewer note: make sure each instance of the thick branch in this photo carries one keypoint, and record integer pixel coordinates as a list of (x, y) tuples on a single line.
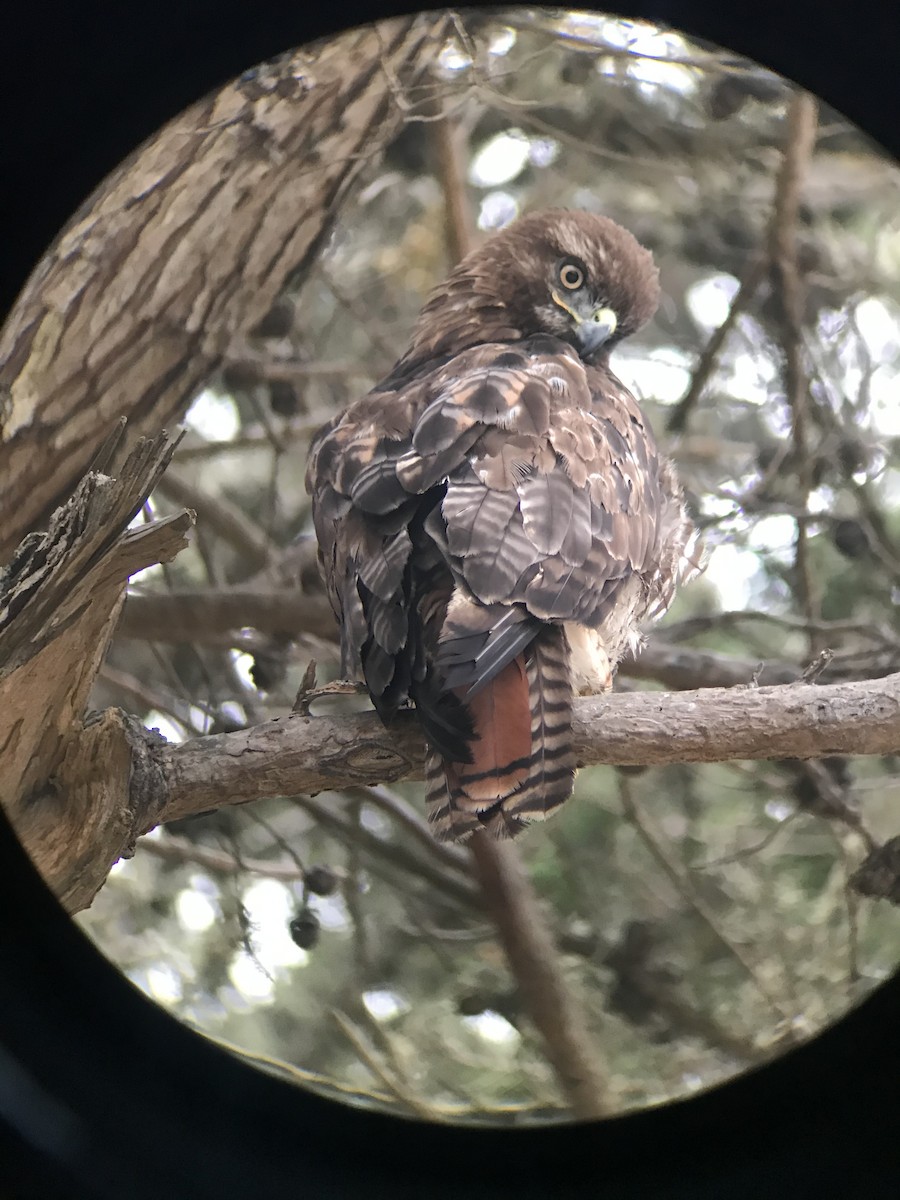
[(207, 615), (533, 960), (149, 781), (312, 754), (184, 249)]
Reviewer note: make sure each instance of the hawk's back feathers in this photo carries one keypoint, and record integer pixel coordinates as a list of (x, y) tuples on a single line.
[(498, 487)]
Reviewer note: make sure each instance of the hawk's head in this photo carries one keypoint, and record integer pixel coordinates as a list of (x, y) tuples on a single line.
[(576, 275)]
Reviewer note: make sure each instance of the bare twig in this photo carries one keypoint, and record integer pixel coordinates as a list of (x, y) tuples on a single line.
[(178, 849), (413, 822), (390, 1079), (550, 22), (223, 516), (142, 697), (393, 858), (680, 414), (253, 437), (814, 669), (379, 336), (746, 852), (491, 1115), (691, 626)]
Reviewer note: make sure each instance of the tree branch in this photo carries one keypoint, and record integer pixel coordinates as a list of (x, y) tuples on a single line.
[(789, 294), (209, 615), (534, 963), (706, 364), (151, 781), (319, 753), (681, 668), (184, 249)]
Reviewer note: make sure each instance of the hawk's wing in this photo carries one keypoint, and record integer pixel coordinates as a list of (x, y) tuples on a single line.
[(512, 482)]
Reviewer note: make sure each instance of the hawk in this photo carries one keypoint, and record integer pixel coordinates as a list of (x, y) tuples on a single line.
[(495, 520)]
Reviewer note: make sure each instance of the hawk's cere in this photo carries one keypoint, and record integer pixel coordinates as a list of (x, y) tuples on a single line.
[(494, 518)]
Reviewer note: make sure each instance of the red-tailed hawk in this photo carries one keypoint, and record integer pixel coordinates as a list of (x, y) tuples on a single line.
[(494, 518)]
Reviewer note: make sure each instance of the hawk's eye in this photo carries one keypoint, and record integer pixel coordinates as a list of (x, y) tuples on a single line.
[(571, 274)]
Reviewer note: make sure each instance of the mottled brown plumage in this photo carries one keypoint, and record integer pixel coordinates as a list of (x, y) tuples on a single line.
[(494, 518)]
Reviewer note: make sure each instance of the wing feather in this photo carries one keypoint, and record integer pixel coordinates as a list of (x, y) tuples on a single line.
[(547, 500), (531, 479), (381, 569)]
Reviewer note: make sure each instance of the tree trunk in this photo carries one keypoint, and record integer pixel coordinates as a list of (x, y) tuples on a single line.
[(181, 252), (175, 258)]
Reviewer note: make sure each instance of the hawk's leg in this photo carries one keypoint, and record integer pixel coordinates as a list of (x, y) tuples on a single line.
[(588, 661)]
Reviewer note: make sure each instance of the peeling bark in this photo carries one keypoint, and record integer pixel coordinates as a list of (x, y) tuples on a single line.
[(65, 785)]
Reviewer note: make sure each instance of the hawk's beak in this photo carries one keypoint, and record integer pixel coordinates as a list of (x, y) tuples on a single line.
[(593, 326)]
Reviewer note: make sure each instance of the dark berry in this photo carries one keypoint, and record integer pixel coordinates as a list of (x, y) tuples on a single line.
[(304, 929), (321, 881)]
